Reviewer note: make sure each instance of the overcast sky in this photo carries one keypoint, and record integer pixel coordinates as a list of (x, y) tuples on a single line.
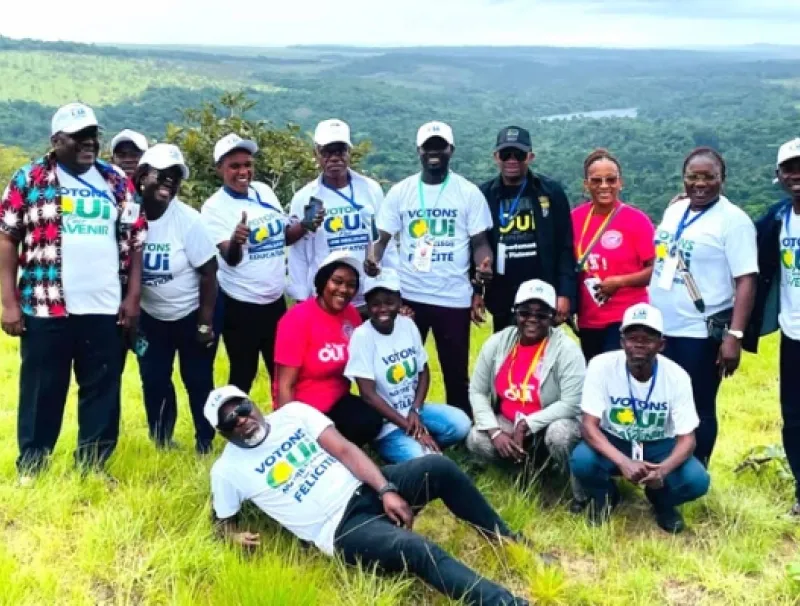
[(620, 23)]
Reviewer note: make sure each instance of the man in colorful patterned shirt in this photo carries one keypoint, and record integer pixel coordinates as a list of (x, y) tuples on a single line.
[(70, 232)]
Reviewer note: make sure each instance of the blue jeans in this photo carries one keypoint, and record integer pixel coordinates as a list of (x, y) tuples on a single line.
[(688, 482), (447, 425)]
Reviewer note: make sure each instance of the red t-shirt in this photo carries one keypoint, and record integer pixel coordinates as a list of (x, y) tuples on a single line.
[(624, 248), (315, 341), (517, 381)]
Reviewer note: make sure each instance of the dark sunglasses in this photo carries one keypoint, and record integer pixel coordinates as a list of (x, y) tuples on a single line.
[(539, 316), (508, 153), (336, 149), (243, 409), (598, 181), (162, 175)]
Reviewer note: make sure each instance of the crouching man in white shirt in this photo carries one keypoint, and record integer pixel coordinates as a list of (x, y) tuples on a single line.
[(300, 471), (639, 420)]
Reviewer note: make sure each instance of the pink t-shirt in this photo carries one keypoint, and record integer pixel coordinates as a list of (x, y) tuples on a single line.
[(315, 341), (516, 383), (624, 248)]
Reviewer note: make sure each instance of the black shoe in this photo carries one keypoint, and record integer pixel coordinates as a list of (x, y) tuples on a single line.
[(670, 520), (576, 507), (202, 448), (167, 444), (600, 513)]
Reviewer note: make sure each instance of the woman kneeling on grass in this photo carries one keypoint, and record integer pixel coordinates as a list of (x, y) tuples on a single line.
[(389, 363), (526, 387)]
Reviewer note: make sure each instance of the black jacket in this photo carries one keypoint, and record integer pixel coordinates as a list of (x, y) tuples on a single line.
[(553, 225)]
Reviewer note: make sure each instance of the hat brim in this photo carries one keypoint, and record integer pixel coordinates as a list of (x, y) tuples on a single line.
[(79, 126), (126, 139), (421, 142), (324, 142), (354, 263), (381, 287), (246, 145), (519, 146), (789, 159), (538, 300), (627, 327)]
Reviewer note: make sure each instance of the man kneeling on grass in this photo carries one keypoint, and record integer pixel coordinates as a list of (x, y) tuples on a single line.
[(296, 467), (638, 421)]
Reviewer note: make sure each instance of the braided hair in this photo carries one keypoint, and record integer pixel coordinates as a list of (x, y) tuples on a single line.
[(706, 152), (599, 154)]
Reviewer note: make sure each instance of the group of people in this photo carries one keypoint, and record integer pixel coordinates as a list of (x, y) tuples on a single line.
[(99, 258)]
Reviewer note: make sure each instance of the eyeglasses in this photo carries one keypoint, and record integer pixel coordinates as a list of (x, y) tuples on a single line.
[(243, 409), (539, 316), (335, 149), (508, 153), (600, 181)]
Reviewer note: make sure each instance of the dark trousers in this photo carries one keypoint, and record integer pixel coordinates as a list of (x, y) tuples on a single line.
[(356, 420), (502, 320), (698, 357), (365, 533), (451, 330), (688, 482), (790, 404), (50, 348), (249, 330), (164, 340), (595, 341)]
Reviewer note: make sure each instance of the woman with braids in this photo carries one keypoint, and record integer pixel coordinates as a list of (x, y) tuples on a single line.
[(614, 249), (704, 283)]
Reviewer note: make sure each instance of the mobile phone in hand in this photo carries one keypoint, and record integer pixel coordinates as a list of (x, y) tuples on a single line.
[(310, 212)]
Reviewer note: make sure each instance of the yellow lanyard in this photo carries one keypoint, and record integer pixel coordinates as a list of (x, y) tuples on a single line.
[(531, 368), (582, 249)]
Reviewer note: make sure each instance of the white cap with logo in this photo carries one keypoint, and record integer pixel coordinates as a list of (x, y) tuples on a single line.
[(230, 142), (434, 129), (643, 314), (138, 139), (165, 155), (387, 279), (536, 290), (788, 151), (217, 398), (332, 131), (72, 118), (342, 256)]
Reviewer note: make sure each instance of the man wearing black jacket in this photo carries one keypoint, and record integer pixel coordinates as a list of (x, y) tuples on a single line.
[(532, 233)]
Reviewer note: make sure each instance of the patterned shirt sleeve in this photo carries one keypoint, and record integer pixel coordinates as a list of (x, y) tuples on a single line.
[(12, 206)]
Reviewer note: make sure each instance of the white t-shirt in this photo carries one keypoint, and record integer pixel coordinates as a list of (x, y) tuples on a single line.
[(789, 316), (455, 212), (89, 249), (717, 247), (177, 244), (345, 228), (289, 476), (670, 411), (260, 277), (393, 361)]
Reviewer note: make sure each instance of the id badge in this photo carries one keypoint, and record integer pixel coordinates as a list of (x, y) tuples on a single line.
[(501, 259), (668, 271), (637, 451), (423, 255), (130, 213), (591, 283)]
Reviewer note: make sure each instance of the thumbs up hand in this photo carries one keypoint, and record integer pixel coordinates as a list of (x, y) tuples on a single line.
[(242, 232), (483, 273)]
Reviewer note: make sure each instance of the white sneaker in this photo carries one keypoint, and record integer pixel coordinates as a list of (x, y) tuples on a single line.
[(26, 481)]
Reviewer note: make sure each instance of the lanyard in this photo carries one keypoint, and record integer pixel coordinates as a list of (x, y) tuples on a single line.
[(92, 188), (789, 213), (684, 224), (506, 215), (238, 196), (351, 198), (583, 253), (422, 194), (531, 368), (649, 391)]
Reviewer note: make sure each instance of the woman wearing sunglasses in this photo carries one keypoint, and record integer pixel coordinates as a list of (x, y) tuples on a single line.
[(614, 251), (179, 291), (526, 388)]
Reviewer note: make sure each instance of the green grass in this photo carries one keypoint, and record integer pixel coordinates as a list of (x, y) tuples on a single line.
[(56, 78), (148, 540)]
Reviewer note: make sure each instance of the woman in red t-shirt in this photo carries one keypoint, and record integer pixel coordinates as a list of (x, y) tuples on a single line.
[(311, 351), (615, 252)]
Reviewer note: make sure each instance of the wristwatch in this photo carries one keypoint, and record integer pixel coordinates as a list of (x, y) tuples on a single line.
[(388, 487), (203, 329), (738, 334)]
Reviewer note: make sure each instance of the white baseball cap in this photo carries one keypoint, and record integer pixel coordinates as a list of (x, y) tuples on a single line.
[(434, 129), (643, 314), (387, 279), (536, 290), (230, 142), (164, 155), (788, 151), (138, 139), (342, 256), (72, 118), (332, 131), (217, 398)]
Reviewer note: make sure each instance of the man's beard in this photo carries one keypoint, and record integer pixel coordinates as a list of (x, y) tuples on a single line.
[(255, 440)]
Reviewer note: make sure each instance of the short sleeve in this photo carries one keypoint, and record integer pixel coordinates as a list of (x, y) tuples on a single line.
[(684, 413), (199, 246), (479, 217), (314, 421), (291, 340), (740, 246), (388, 218), (594, 388), (12, 207), (225, 498), (217, 222), (645, 234), (361, 353)]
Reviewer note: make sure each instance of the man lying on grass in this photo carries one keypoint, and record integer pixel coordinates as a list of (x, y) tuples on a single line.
[(638, 422), (296, 467)]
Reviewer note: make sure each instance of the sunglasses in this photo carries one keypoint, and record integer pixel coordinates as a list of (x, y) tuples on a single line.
[(539, 316), (599, 181), (508, 153), (243, 409), (337, 149)]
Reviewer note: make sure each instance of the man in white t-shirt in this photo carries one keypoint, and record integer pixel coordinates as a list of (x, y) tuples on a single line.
[(70, 232), (349, 204), (638, 422), (251, 230), (297, 468), (441, 219)]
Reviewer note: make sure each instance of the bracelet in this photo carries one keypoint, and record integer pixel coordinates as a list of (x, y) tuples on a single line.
[(494, 434)]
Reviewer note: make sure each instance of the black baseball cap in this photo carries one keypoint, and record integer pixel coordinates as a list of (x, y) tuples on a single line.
[(513, 136)]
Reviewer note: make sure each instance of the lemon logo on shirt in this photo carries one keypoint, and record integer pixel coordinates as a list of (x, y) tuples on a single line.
[(787, 258), (418, 228), (661, 250), (622, 416), (261, 234), (397, 373), (67, 205), (336, 224), (279, 474)]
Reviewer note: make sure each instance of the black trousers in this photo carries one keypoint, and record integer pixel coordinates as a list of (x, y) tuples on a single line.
[(249, 330), (790, 405), (365, 534), (356, 420), (50, 349), (595, 341)]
